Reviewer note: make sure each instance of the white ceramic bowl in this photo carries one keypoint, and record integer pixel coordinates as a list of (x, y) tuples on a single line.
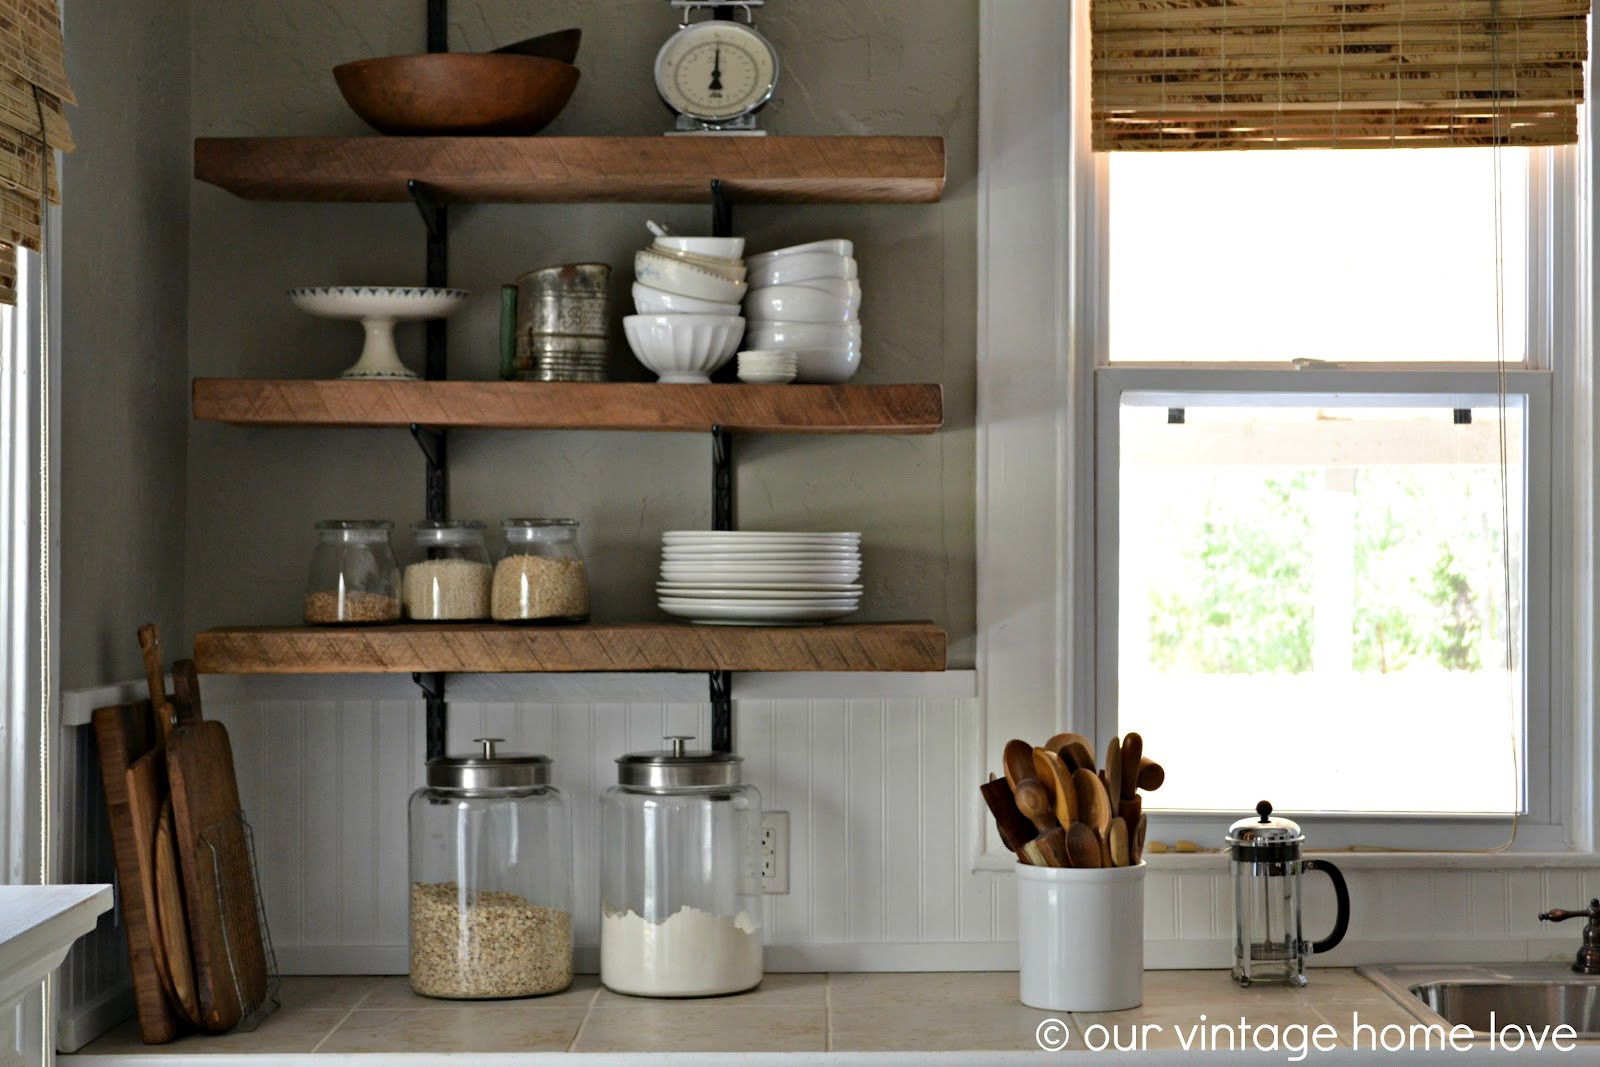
[(804, 334), (802, 266), (827, 366), (651, 301), (837, 246), (796, 303), (733, 269), (715, 247), (683, 348), (848, 288), (686, 279)]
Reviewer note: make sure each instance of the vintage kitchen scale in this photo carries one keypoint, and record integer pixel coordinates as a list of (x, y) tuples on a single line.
[(717, 72)]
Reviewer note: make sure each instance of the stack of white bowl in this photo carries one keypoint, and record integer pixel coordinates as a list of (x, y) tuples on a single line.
[(805, 298), (740, 577), (687, 292)]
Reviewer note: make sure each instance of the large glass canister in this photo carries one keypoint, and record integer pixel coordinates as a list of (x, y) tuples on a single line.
[(680, 876), (354, 577), (449, 575), (1264, 860), (541, 576), (491, 878)]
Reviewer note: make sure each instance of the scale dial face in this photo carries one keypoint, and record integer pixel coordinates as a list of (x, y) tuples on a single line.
[(716, 70)]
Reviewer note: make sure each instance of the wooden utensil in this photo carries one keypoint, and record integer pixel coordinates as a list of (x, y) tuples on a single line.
[(1033, 802), (1118, 839), (1033, 854), (185, 691), (1094, 807), (1065, 795), (1017, 761), (1136, 850), (1077, 755), (1132, 752), (1130, 809), (122, 734), (1151, 774), (172, 917), (1059, 741), (1113, 770), (1083, 846), (150, 652), (218, 882), (560, 45), (1053, 844), (1014, 827), (1044, 774)]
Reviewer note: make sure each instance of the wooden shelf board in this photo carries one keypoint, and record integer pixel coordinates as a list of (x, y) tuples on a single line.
[(495, 647), (789, 170), (820, 409)]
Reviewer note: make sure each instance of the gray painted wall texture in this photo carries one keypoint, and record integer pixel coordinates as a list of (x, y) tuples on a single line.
[(893, 67), (125, 277)]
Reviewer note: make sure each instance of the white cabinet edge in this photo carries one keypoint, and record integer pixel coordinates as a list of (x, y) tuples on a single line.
[(38, 924)]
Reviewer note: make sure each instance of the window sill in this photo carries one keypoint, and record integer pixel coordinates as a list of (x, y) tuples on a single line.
[(1216, 861)]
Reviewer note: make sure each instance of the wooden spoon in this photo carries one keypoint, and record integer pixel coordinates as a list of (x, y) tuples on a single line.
[(1059, 741), (1094, 807), (1083, 846), (1035, 804), (1132, 752), (1077, 754), (1015, 829), (1151, 774), (1017, 759), (1136, 852), (1129, 810), (1119, 843), (1113, 771), (1044, 773), (1053, 843), (1066, 796)]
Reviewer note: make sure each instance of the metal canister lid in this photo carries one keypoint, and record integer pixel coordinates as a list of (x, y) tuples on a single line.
[(489, 771), (679, 770), (1266, 833)]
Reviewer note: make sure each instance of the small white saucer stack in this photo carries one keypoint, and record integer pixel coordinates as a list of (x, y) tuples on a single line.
[(687, 292), (806, 299), (767, 366), (745, 578)]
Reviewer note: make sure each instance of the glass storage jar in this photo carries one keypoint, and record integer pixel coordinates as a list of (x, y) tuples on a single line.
[(449, 575), (491, 878), (540, 576), (680, 876), (354, 576)]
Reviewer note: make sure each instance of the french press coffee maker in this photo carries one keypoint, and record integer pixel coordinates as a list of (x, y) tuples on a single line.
[(1264, 859)]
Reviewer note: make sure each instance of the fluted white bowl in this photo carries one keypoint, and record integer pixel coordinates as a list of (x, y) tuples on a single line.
[(683, 348), (796, 303), (648, 300), (802, 266)]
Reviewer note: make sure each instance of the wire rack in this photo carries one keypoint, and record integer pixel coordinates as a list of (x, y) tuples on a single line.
[(238, 901)]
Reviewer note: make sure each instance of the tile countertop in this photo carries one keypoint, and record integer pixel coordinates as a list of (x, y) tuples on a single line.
[(857, 1018)]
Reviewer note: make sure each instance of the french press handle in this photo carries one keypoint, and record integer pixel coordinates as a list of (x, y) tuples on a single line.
[(1341, 896)]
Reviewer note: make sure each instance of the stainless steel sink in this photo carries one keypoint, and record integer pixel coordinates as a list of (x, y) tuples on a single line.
[(1534, 995)]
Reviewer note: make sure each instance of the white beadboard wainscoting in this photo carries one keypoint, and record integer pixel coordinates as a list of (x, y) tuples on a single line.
[(884, 836)]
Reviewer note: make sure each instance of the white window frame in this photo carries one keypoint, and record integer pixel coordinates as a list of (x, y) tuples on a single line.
[(1040, 322)]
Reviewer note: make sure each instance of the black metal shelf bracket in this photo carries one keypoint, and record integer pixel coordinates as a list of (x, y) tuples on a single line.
[(432, 686), (721, 711), (721, 210), (721, 519)]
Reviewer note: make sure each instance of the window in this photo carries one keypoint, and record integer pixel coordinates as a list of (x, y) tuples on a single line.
[(1308, 564)]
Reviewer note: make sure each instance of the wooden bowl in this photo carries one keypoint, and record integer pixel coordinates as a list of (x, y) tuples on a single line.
[(457, 92)]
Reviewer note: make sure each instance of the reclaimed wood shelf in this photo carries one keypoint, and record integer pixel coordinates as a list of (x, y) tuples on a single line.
[(771, 170), (497, 647), (818, 409)]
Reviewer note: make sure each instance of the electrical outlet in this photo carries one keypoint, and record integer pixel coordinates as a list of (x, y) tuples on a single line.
[(775, 852)]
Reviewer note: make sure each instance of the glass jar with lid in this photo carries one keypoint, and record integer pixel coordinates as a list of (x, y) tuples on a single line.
[(540, 576), (491, 878), (449, 575), (354, 576), (680, 875)]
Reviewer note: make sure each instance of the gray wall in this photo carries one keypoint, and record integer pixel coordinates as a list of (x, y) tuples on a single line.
[(124, 394), (906, 67)]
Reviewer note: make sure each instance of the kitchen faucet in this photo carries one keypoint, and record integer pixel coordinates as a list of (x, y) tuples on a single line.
[(1588, 961)]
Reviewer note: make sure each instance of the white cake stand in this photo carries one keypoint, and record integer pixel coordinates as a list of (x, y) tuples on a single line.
[(378, 307)]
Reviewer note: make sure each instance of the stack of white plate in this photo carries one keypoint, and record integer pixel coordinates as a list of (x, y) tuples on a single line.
[(759, 578)]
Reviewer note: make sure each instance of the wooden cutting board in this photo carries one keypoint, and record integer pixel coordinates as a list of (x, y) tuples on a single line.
[(123, 734), (219, 885)]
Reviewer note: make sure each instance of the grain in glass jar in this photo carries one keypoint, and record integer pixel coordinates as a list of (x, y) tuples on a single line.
[(354, 577), (491, 878), (540, 576), (449, 575)]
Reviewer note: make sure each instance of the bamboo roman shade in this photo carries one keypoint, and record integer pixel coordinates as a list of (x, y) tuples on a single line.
[(1231, 74), (33, 92)]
